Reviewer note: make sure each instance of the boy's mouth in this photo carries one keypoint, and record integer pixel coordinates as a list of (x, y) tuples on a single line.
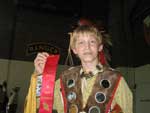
[(87, 53)]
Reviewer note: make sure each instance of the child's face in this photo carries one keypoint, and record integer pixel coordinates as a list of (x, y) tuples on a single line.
[(87, 47)]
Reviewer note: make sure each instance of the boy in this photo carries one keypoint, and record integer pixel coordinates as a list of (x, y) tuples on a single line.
[(91, 87)]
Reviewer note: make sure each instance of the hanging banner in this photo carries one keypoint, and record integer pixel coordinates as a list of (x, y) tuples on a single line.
[(36, 47)]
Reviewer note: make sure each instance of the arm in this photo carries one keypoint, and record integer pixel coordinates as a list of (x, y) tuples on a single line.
[(58, 101), (30, 102), (123, 97)]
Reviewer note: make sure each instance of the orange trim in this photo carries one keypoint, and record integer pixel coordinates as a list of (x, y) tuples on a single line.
[(117, 109), (113, 94)]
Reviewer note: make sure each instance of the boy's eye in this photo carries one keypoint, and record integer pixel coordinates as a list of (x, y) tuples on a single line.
[(80, 42), (93, 41)]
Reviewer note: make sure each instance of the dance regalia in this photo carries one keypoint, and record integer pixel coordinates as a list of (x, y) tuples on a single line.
[(100, 95), (105, 91)]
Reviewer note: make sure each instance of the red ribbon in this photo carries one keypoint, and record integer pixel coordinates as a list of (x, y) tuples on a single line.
[(48, 83)]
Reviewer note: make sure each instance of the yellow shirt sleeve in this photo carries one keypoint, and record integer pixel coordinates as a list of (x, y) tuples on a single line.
[(58, 101), (30, 102), (123, 97)]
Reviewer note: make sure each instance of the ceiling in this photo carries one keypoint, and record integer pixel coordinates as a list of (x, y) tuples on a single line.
[(67, 7)]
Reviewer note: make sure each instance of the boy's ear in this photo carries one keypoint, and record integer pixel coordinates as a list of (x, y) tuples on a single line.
[(74, 51), (100, 48)]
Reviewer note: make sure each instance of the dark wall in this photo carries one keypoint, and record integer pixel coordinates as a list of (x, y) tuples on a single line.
[(129, 47), (33, 27), (6, 27), (32, 24), (23, 23), (22, 26)]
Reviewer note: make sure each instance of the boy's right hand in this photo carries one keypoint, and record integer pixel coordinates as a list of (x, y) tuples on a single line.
[(40, 61)]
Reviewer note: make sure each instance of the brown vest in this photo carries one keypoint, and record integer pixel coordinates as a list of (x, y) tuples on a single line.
[(71, 80)]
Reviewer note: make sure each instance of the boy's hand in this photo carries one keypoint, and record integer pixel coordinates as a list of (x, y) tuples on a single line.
[(40, 61)]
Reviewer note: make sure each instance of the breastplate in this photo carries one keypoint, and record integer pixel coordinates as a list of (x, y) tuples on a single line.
[(100, 96)]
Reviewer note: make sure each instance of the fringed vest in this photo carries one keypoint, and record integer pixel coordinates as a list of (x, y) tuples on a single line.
[(99, 100)]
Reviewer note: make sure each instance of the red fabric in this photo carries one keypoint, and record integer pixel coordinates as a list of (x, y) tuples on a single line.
[(84, 21), (102, 57), (117, 109)]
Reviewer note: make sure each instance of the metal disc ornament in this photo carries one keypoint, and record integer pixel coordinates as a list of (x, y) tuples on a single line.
[(71, 96), (73, 108), (94, 109), (105, 83), (100, 97), (70, 83)]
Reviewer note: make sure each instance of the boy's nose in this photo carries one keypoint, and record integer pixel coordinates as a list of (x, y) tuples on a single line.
[(87, 45)]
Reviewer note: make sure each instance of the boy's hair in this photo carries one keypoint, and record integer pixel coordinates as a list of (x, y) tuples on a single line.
[(83, 30)]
